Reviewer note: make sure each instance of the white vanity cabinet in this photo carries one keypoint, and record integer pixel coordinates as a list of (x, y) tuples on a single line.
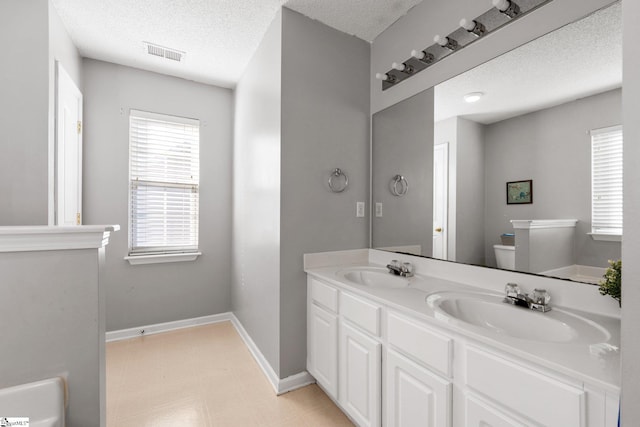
[(360, 363), (387, 366), (479, 413), (418, 389), (413, 395), (322, 335), (542, 398), (360, 375)]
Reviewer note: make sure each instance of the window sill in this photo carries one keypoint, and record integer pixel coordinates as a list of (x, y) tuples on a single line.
[(161, 258), (606, 237)]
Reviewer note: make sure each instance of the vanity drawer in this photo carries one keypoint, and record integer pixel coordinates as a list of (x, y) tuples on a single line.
[(324, 295), (361, 312), (541, 398), (419, 342)]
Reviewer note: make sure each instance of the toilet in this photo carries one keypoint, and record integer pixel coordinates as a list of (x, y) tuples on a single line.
[(505, 256), (41, 402)]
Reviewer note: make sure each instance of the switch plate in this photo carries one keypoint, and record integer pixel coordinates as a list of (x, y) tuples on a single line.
[(378, 209), (360, 209)]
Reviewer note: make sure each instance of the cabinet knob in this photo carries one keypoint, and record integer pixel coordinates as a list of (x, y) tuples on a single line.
[(439, 229)]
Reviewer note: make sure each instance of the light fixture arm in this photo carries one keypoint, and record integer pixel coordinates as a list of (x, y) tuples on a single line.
[(502, 13)]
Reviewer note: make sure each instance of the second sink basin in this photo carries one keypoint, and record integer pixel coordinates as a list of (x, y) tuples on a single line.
[(488, 312), (373, 277)]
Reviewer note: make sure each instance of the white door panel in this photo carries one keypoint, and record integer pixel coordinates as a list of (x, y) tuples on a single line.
[(68, 188)]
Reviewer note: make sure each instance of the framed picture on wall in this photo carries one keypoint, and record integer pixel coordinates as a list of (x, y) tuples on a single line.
[(520, 192)]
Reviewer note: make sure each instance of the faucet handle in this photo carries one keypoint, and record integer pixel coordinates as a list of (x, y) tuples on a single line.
[(540, 296), (512, 290), (407, 269)]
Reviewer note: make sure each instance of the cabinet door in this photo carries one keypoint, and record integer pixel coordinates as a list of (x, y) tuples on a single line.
[(479, 414), (360, 376), (415, 396), (323, 349)]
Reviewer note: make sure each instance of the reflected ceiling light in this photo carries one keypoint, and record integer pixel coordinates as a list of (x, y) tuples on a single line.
[(473, 97)]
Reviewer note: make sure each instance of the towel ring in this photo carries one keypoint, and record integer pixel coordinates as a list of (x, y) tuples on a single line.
[(337, 175), (399, 185)]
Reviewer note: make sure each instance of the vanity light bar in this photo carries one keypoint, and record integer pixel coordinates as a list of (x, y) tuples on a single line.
[(502, 13)]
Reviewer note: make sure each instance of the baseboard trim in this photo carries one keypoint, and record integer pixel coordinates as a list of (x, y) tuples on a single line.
[(280, 386), (124, 334), (293, 382)]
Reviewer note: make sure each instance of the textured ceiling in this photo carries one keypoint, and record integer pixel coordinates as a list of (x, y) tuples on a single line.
[(578, 60), (218, 36)]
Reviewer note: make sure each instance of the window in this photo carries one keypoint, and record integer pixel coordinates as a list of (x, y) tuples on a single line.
[(164, 165), (606, 182)]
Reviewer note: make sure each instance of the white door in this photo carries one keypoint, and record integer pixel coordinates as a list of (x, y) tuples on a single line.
[(323, 349), (68, 187), (414, 396), (360, 376), (440, 199)]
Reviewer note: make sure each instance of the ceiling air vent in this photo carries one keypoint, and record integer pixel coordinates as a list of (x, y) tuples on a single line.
[(164, 52)]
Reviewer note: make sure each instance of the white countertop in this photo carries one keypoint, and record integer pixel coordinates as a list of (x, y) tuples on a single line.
[(597, 365)]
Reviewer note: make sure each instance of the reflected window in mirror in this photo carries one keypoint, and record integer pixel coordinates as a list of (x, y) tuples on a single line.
[(606, 183)]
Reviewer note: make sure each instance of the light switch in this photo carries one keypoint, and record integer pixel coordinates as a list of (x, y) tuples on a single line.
[(378, 209), (360, 209)]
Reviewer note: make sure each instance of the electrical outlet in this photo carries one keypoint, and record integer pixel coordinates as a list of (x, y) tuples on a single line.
[(360, 209), (378, 209)]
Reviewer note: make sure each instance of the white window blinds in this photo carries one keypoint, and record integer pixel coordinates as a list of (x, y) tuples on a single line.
[(164, 174), (606, 180)]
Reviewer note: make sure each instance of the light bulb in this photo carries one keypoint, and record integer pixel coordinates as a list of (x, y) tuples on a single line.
[(399, 67), (418, 54), (442, 41), (382, 76), (468, 24), (501, 5)]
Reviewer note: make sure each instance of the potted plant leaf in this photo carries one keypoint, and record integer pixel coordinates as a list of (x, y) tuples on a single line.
[(612, 283)]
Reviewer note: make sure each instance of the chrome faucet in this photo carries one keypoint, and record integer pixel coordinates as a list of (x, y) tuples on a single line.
[(404, 269), (538, 300)]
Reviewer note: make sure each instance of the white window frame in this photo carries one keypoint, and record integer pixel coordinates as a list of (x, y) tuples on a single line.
[(158, 181), (606, 183)]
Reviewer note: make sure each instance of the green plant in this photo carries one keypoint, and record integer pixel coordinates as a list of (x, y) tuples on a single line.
[(612, 283)]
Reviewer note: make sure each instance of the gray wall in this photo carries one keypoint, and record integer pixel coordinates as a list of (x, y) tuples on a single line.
[(148, 294), (631, 242), (34, 39), (403, 144), (53, 326), (325, 124), (298, 116), (470, 197), (552, 147), (24, 109), (256, 196)]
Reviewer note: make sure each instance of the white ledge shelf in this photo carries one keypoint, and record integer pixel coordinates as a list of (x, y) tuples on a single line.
[(543, 223), (606, 237), (162, 258), (52, 238)]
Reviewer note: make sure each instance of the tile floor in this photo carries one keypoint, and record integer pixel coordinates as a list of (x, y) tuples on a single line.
[(203, 377)]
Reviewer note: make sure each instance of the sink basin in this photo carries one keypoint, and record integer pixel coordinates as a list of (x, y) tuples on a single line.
[(488, 312), (373, 277)]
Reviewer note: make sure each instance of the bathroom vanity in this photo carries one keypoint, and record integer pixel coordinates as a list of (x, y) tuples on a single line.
[(430, 351)]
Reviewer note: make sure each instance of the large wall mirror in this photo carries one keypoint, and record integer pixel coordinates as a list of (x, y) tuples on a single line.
[(494, 167)]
